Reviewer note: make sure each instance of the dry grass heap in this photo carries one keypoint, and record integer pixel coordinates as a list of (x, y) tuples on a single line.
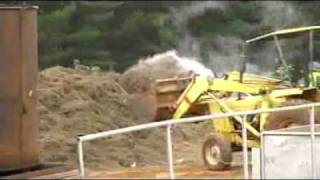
[(74, 101)]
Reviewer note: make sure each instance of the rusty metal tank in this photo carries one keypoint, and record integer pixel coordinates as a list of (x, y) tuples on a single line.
[(19, 148)]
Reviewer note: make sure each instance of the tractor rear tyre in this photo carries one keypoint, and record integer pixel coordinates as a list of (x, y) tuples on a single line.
[(285, 119), (217, 152)]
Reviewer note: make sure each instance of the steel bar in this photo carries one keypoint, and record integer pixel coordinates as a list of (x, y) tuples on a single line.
[(311, 56), (237, 118), (169, 152), (289, 133), (311, 49), (281, 56), (80, 158), (245, 148), (262, 155), (276, 40), (313, 168)]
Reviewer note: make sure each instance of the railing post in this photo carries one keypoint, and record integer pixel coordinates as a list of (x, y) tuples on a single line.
[(80, 158), (262, 155), (314, 173), (245, 148), (169, 152)]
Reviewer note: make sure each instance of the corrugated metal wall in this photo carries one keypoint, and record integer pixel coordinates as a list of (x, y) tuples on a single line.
[(19, 146)]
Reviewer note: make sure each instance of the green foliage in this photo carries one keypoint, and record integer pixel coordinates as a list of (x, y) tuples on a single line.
[(103, 33), (117, 33)]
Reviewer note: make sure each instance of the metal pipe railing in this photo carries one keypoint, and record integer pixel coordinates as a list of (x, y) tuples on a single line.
[(262, 157), (170, 152), (81, 161), (313, 168), (89, 137), (168, 124), (245, 149)]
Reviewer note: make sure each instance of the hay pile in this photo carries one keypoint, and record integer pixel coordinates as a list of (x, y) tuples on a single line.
[(74, 101)]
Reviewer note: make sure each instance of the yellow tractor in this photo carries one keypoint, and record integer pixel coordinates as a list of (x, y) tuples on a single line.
[(240, 91)]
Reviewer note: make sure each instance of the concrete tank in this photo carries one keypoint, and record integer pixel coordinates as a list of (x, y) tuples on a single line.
[(286, 154), (19, 146)]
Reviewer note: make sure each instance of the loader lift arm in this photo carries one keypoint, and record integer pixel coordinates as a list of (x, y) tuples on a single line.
[(201, 85), (237, 118)]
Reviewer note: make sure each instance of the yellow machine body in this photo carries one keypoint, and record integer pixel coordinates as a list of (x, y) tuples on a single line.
[(220, 95), (228, 95), (235, 92)]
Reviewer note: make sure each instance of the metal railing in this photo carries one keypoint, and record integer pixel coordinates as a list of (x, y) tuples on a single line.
[(168, 124)]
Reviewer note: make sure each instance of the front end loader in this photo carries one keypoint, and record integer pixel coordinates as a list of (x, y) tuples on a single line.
[(236, 92)]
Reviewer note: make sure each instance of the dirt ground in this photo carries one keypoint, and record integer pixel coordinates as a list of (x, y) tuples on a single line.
[(76, 101), (181, 172)]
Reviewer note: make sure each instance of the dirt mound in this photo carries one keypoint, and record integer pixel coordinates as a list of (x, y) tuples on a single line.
[(72, 102)]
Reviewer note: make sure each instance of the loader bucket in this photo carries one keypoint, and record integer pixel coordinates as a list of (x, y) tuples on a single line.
[(167, 92)]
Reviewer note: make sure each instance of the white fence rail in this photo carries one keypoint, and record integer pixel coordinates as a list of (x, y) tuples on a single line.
[(169, 123)]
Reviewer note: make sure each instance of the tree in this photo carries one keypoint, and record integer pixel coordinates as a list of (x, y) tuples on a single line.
[(115, 34)]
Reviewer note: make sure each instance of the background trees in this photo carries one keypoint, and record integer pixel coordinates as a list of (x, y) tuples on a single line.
[(114, 35)]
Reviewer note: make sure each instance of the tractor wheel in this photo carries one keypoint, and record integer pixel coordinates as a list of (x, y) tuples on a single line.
[(217, 152), (285, 119)]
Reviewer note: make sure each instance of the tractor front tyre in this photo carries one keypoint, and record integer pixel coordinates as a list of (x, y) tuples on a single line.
[(217, 152), (291, 118)]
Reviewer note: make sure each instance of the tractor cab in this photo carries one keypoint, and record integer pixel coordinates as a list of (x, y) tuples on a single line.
[(311, 74)]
